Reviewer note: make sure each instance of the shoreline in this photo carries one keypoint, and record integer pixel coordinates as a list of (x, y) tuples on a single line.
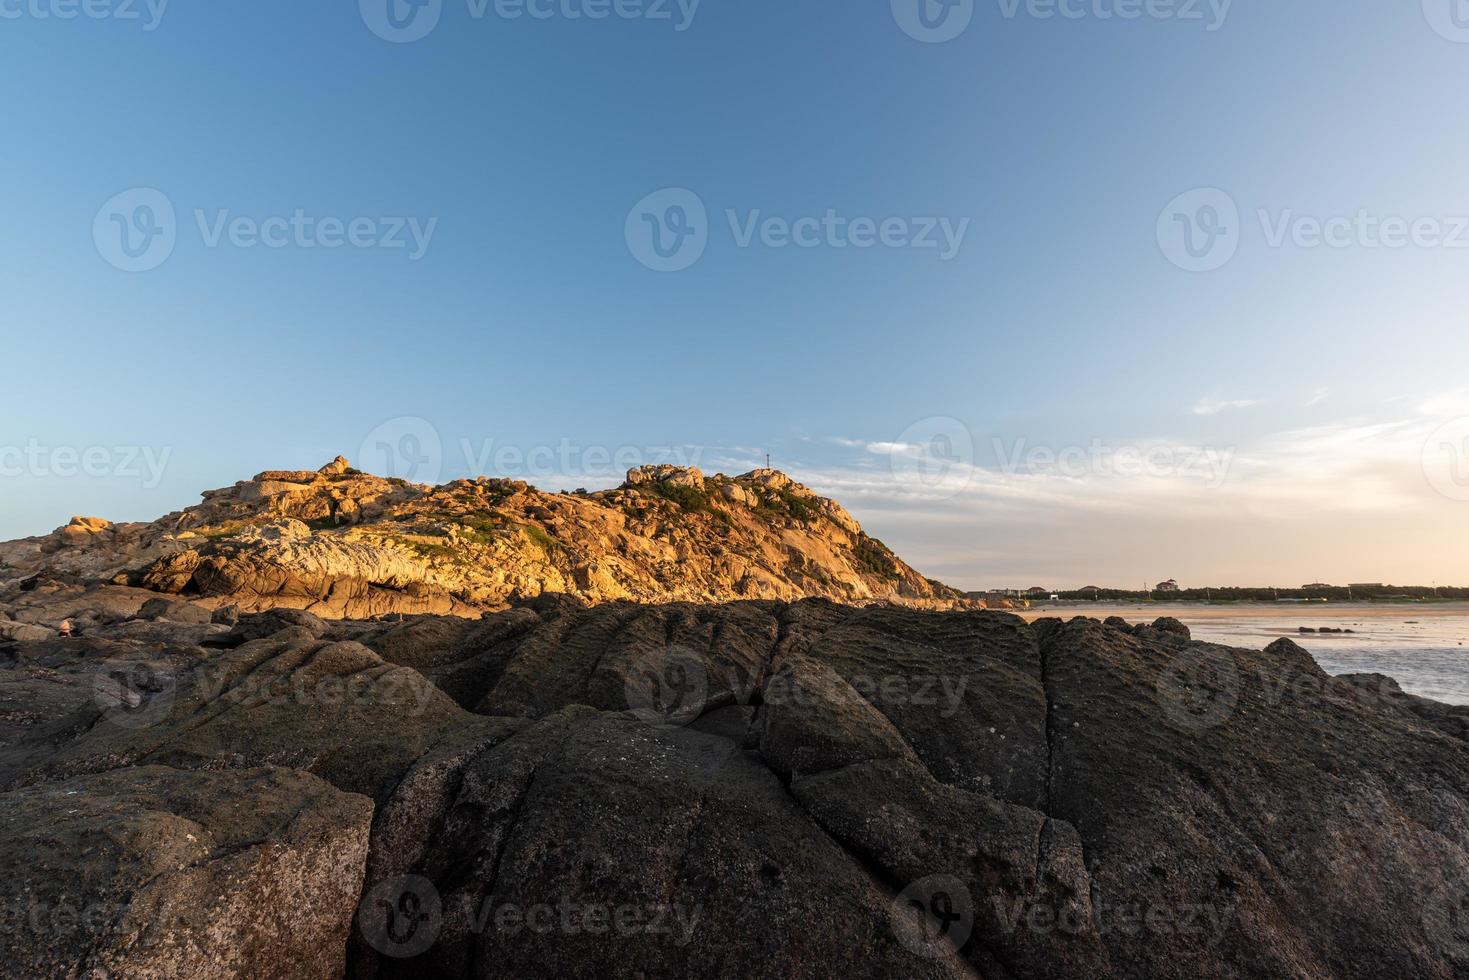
[(1408, 610)]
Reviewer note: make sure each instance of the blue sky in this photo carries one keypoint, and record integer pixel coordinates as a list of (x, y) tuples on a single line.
[(1317, 378)]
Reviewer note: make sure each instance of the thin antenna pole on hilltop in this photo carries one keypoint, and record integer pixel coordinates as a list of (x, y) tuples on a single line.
[(767, 461)]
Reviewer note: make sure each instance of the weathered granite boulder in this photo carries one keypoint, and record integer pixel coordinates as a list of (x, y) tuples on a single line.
[(153, 872), (343, 544), (761, 788)]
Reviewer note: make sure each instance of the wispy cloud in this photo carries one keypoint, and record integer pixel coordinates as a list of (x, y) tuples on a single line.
[(1446, 404), (1317, 397), (1348, 493), (1213, 406)]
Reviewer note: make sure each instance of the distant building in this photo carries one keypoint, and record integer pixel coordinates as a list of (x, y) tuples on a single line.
[(1168, 586), (995, 595), (1090, 591), (1037, 590), (1318, 585)]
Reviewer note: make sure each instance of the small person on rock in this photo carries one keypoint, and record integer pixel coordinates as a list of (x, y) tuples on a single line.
[(66, 628)]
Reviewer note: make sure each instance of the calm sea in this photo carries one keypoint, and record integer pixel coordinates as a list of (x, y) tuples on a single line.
[(1425, 649), (1425, 656)]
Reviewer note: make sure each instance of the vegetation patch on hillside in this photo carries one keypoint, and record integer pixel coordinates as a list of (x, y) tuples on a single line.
[(875, 558), (542, 539), (786, 504)]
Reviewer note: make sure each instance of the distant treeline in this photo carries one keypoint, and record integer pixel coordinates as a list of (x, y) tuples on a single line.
[(1341, 593)]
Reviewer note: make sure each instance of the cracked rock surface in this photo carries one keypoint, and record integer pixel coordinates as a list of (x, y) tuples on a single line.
[(763, 788)]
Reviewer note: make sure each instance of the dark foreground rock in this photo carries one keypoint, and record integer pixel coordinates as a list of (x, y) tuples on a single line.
[(153, 872), (1452, 719), (755, 789)]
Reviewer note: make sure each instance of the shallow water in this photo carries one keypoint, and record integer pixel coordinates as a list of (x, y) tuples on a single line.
[(1427, 657), (1425, 649)]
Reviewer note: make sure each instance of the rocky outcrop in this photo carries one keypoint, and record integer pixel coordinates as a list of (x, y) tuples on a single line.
[(758, 788), (153, 872), (1451, 719), (344, 544)]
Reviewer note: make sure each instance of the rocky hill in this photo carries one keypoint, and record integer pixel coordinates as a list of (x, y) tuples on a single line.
[(759, 789), (341, 543)]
